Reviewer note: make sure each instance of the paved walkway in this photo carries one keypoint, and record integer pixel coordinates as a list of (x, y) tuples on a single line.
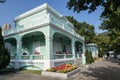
[(101, 70)]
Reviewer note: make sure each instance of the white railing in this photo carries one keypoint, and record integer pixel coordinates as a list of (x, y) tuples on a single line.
[(62, 56), (64, 26), (12, 57), (42, 20), (27, 25), (40, 57), (33, 57)]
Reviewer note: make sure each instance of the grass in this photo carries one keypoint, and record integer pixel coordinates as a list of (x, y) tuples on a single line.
[(11, 70), (97, 59), (31, 71)]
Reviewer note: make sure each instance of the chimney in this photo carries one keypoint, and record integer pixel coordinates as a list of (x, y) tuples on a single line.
[(5, 27)]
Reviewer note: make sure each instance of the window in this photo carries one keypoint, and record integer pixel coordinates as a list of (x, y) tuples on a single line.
[(36, 47), (56, 47)]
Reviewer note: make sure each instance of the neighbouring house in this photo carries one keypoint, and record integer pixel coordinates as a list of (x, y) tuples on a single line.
[(42, 38), (93, 48)]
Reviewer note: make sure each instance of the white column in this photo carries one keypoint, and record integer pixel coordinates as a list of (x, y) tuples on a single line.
[(49, 48), (73, 47), (19, 49), (18, 54), (83, 47), (83, 54), (49, 53)]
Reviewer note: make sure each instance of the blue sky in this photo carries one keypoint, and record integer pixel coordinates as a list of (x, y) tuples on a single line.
[(13, 8)]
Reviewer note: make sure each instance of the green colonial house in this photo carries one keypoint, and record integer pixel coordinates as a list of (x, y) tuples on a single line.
[(93, 48), (43, 38)]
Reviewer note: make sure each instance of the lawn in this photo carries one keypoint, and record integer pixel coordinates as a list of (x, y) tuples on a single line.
[(31, 71)]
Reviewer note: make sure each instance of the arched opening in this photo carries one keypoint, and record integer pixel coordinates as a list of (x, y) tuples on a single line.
[(78, 49), (33, 44), (61, 46), (11, 46)]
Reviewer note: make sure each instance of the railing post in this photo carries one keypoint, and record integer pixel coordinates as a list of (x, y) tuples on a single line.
[(65, 56)]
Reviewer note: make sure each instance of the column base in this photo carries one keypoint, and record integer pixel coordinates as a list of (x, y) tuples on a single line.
[(17, 65), (48, 64)]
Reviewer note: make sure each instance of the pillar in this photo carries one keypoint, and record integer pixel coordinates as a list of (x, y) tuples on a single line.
[(19, 48), (18, 53), (73, 48), (49, 53), (49, 48), (83, 47), (83, 54)]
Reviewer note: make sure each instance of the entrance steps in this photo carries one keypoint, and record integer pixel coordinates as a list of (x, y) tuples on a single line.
[(78, 63)]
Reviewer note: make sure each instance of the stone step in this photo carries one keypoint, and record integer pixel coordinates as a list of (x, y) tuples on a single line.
[(78, 62)]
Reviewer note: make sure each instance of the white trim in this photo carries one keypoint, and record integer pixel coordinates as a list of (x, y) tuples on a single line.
[(28, 60), (42, 61), (59, 60), (30, 12)]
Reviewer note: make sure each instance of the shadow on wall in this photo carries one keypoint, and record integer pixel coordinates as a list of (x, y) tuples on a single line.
[(102, 73)]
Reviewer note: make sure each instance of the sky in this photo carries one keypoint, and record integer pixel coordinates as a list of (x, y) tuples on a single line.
[(12, 8)]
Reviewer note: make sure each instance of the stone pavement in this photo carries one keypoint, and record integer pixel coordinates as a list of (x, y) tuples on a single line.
[(101, 70)]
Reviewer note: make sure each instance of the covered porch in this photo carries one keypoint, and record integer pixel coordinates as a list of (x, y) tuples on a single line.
[(32, 46), (66, 47)]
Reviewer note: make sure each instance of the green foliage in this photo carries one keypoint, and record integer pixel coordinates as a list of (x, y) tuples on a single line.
[(110, 17), (89, 58), (100, 54), (83, 29), (4, 54), (31, 71), (2, 1), (91, 5), (103, 41), (115, 40), (112, 24)]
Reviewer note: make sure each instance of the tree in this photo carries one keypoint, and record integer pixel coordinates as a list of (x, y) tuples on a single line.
[(110, 16), (112, 24), (115, 40), (4, 54), (83, 29), (89, 58), (2, 1), (103, 41), (92, 5)]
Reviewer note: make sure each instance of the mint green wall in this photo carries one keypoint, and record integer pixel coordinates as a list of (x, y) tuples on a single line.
[(62, 39), (27, 45), (32, 20), (94, 49), (28, 42), (13, 44), (63, 62), (31, 66), (47, 22), (61, 22)]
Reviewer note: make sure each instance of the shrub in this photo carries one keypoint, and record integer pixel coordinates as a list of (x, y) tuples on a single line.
[(4, 54), (100, 54), (89, 57), (51, 70)]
